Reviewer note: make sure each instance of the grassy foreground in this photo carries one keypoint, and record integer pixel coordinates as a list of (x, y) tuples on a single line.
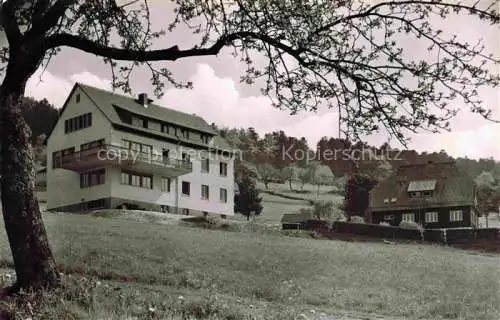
[(121, 268)]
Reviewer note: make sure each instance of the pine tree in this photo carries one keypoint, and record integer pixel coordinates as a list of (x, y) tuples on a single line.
[(247, 201)]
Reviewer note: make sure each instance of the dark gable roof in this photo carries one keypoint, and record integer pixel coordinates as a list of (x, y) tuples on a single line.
[(296, 218), (452, 187), (107, 102)]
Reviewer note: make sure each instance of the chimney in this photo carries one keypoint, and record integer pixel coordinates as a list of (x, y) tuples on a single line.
[(143, 99)]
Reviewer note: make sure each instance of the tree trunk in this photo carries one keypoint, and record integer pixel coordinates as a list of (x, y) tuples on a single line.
[(33, 260), (290, 181)]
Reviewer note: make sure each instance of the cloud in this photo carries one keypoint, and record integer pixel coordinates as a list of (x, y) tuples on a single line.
[(218, 100), (56, 89), (45, 85)]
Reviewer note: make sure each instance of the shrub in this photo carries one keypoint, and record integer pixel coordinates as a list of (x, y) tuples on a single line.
[(247, 201), (357, 219), (412, 226), (323, 209)]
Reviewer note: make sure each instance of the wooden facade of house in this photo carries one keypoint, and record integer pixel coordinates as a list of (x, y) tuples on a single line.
[(434, 195)]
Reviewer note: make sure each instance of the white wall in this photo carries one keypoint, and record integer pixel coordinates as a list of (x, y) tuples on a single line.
[(196, 179), (63, 186)]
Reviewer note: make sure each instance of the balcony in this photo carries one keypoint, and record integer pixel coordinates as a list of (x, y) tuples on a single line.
[(117, 156)]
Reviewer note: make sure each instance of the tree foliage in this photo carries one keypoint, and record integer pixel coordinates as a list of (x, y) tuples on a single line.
[(247, 201), (267, 173), (488, 199), (40, 116), (344, 54), (357, 195)]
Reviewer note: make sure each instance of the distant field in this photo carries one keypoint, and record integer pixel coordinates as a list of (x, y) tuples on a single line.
[(275, 207), (246, 275), (312, 194)]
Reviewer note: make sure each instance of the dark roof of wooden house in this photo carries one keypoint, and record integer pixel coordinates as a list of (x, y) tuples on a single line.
[(296, 218), (450, 187)]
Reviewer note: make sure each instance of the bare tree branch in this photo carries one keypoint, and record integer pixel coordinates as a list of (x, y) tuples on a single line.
[(170, 54)]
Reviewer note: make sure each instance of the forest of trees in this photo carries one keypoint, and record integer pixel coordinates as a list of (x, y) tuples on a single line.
[(271, 156), (271, 153)]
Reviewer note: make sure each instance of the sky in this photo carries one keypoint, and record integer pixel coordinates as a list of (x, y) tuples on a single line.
[(218, 96)]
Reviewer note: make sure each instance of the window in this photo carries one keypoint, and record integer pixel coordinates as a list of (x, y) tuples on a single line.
[(223, 195), (92, 178), (186, 188), (223, 169), (414, 194), (165, 208), (78, 123), (147, 182), (135, 146), (125, 178), (431, 217), (205, 138), (78, 98), (92, 145), (408, 217), (125, 144), (427, 194), (145, 151), (68, 151), (186, 157), (165, 154), (136, 180), (138, 122), (165, 128), (165, 184), (204, 192), (205, 165), (456, 215), (56, 159), (185, 133)]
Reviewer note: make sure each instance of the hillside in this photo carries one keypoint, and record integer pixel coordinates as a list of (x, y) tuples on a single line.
[(157, 271)]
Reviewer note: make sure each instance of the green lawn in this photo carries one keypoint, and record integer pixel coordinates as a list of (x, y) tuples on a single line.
[(168, 270), (311, 191), (274, 207)]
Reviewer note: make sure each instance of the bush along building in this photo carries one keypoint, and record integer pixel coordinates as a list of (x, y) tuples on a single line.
[(435, 195), (113, 151)]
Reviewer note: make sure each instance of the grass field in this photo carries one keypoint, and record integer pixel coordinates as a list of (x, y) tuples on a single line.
[(156, 271), (311, 191), (274, 207)]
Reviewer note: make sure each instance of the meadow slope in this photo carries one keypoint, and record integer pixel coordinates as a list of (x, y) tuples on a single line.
[(147, 270)]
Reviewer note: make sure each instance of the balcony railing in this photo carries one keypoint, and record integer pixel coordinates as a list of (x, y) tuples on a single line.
[(118, 155)]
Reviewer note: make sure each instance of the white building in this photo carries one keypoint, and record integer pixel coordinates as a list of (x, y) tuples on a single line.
[(108, 151)]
